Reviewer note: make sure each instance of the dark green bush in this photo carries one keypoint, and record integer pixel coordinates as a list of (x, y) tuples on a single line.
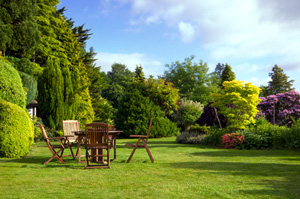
[(134, 113), (11, 88), (16, 130)]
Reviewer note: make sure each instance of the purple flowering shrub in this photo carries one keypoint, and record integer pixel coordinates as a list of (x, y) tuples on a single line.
[(286, 107)]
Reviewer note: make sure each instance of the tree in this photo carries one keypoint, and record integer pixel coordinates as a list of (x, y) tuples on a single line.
[(51, 98), (192, 79), (138, 75), (60, 44), (134, 112), (219, 70), (227, 74), (238, 103), (19, 34), (279, 82), (119, 78), (163, 94)]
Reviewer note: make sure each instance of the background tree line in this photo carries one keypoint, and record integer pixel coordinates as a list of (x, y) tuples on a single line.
[(56, 69)]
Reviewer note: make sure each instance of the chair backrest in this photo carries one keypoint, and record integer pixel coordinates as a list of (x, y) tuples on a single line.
[(46, 138), (69, 126), (96, 133), (148, 133), (111, 127)]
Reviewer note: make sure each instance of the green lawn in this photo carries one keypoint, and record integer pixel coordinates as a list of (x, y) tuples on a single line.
[(179, 171)]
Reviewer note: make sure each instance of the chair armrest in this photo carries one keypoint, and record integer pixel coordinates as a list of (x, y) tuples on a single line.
[(56, 138), (138, 136), (68, 135)]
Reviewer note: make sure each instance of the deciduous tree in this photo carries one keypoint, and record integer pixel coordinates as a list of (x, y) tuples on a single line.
[(238, 103)]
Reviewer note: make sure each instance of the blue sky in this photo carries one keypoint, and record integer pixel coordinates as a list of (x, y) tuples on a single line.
[(250, 35)]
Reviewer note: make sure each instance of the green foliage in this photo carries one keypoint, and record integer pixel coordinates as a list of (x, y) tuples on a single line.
[(163, 94), (30, 83), (279, 82), (138, 75), (16, 130), (134, 113), (188, 112), (103, 110), (214, 136), (22, 64), (19, 34), (219, 70), (11, 88), (238, 103), (227, 74), (163, 127), (119, 78), (38, 136), (192, 79), (51, 98)]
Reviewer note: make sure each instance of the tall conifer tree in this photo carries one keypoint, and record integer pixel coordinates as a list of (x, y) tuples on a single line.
[(227, 74), (279, 82)]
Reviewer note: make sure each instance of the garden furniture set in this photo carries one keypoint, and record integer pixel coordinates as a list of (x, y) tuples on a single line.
[(97, 138)]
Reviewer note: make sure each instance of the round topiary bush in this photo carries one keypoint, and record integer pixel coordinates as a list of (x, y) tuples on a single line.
[(11, 88), (16, 130)]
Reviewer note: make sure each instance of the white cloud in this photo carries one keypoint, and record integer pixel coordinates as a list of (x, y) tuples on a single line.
[(230, 29), (187, 31), (150, 66)]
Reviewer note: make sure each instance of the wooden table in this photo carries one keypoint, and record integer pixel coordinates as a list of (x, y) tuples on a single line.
[(81, 136)]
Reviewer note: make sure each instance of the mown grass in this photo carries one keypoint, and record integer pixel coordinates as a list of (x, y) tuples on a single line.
[(179, 171)]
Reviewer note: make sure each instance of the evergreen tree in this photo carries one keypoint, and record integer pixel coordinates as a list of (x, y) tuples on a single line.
[(219, 70), (19, 34), (58, 41), (279, 82), (227, 74), (51, 97), (138, 75)]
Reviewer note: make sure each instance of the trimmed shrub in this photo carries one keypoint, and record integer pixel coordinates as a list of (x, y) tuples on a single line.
[(16, 131), (11, 88)]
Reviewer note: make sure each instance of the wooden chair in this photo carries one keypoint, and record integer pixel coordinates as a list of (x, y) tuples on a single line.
[(64, 144), (69, 126), (97, 140), (144, 139), (113, 140)]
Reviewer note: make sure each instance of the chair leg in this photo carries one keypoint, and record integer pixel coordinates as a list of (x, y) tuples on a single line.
[(133, 150), (148, 151), (55, 155), (115, 148)]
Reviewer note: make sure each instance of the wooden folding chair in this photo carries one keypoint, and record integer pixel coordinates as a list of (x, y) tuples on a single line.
[(69, 126), (64, 144), (97, 141), (144, 139)]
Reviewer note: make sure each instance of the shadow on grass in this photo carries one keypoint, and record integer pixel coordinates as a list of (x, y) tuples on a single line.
[(287, 187), (285, 154)]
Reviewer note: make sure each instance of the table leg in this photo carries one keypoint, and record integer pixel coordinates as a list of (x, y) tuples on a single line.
[(115, 147)]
